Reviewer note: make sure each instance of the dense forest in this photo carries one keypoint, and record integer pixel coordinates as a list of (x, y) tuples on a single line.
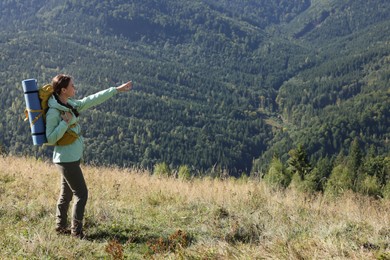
[(231, 85)]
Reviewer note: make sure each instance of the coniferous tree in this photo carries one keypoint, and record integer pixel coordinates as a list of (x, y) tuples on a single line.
[(298, 162), (355, 157), (318, 176)]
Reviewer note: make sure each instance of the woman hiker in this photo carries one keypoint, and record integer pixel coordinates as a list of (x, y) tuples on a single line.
[(63, 130)]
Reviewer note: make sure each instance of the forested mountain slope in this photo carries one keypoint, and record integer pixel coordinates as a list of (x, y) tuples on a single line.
[(217, 83), (345, 92)]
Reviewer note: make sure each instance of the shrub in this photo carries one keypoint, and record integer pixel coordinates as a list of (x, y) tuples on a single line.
[(309, 184), (184, 172), (162, 169), (314, 181), (386, 191), (340, 180), (277, 175), (3, 150), (369, 185)]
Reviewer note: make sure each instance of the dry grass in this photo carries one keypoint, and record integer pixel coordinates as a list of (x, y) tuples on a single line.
[(133, 215)]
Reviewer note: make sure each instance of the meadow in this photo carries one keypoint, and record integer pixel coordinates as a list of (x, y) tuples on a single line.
[(132, 214)]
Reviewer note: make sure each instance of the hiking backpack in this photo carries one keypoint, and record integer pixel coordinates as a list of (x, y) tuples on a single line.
[(36, 108)]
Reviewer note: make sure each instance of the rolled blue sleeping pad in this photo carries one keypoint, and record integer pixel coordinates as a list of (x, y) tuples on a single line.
[(33, 104)]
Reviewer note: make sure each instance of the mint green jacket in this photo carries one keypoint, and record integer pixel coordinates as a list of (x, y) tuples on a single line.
[(56, 127)]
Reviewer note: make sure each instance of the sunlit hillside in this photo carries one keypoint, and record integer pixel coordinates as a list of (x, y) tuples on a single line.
[(135, 215)]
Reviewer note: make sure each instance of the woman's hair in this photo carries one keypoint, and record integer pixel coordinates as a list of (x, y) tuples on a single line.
[(59, 82)]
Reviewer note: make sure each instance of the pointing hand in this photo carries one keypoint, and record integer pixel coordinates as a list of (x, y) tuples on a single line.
[(125, 87)]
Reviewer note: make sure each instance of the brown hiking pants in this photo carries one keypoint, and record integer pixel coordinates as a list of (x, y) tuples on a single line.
[(72, 183)]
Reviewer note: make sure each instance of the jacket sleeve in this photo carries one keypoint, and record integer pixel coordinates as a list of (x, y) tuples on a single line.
[(94, 99), (55, 126)]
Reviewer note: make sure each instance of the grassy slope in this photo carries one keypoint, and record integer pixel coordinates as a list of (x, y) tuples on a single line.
[(135, 215)]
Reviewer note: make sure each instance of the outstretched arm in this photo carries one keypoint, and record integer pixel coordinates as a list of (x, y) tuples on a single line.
[(100, 97)]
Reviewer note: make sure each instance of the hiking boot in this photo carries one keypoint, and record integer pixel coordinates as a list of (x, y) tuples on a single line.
[(62, 231)]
